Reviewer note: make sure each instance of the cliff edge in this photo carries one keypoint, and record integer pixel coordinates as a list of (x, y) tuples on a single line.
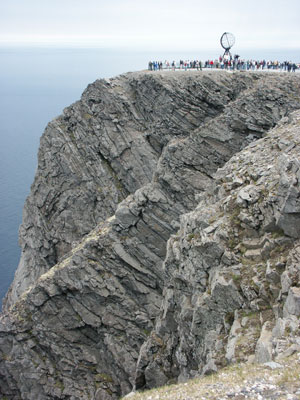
[(101, 303)]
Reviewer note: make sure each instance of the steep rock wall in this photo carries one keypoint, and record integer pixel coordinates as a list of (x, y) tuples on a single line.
[(232, 271), (77, 331), (103, 148)]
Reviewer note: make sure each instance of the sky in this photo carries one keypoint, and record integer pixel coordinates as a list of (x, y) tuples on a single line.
[(152, 24)]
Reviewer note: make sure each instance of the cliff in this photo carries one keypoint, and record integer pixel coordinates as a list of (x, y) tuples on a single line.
[(118, 287), (103, 148)]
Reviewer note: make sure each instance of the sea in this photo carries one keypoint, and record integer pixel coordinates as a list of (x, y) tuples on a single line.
[(36, 84)]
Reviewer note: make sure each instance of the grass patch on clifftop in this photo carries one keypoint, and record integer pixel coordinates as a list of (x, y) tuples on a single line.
[(235, 381)]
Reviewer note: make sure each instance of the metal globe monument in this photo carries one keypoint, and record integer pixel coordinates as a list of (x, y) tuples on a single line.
[(227, 41)]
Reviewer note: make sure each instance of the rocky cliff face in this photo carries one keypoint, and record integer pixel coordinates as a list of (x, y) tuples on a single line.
[(103, 148), (80, 318), (232, 270)]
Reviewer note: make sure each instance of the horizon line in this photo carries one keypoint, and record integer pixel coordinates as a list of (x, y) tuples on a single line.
[(99, 43), (137, 46)]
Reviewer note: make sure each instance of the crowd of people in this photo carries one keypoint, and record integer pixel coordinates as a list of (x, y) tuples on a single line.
[(225, 63)]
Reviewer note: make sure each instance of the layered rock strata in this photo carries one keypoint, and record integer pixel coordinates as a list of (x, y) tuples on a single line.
[(76, 318), (232, 271), (101, 149)]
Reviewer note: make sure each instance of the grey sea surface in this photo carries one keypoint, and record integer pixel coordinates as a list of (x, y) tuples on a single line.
[(36, 83)]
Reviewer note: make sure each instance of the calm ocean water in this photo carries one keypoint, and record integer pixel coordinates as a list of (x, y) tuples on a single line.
[(35, 85)]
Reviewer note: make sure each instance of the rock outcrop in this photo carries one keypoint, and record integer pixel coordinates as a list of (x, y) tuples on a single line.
[(232, 270), (116, 172), (103, 148)]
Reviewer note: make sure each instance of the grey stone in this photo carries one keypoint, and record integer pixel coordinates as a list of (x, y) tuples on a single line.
[(292, 304), (263, 350), (116, 172), (254, 254), (209, 368), (285, 282), (295, 348), (233, 337), (131, 394), (273, 365), (272, 275), (247, 195)]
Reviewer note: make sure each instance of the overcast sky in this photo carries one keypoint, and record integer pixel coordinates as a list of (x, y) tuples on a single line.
[(152, 24)]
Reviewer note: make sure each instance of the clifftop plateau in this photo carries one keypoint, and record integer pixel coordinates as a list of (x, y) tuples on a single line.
[(160, 237)]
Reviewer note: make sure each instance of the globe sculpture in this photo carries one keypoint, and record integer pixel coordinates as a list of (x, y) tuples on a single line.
[(227, 41)]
